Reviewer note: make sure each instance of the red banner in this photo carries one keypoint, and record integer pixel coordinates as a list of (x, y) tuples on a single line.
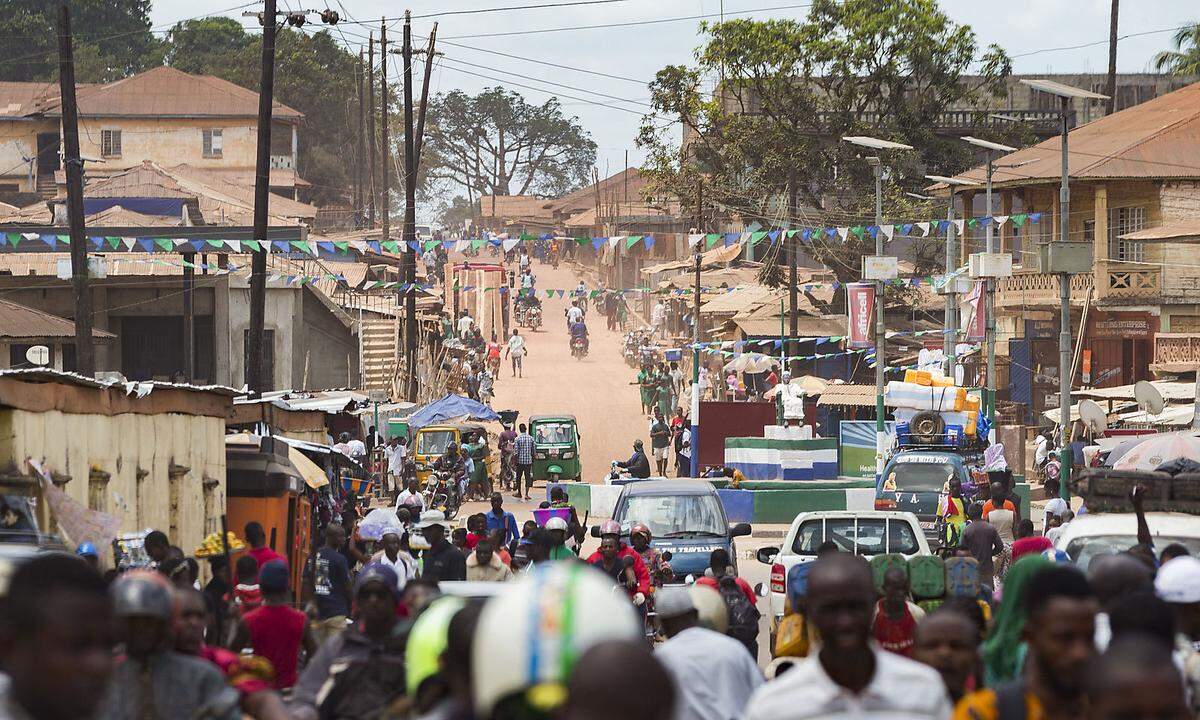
[(974, 313), (860, 304)]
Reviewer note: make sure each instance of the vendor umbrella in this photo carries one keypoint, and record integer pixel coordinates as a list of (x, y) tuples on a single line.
[(1158, 449), (751, 363)]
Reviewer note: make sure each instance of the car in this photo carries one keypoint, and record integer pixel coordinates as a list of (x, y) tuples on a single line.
[(685, 517), (863, 532), (914, 481), (1093, 534)]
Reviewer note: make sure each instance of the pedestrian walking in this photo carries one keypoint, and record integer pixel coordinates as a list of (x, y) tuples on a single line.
[(895, 624), (485, 565), (396, 555), (327, 584), (981, 539), (257, 539), (660, 441), (275, 631), (523, 450), (516, 350), (442, 561)]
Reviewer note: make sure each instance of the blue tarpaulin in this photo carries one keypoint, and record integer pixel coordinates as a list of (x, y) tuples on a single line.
[(450, 407), (172, 207)]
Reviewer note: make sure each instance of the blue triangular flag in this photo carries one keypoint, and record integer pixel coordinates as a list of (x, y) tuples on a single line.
[(597, 242), (281, 246), (146, 243), (985, 221), (48, 239), (327, 247), (649, 240), (97, 240), (774, 235), (198, 244), (873, 230), (373, 246), (943, 225), (831, 232), (1034, 217), (906, 228)]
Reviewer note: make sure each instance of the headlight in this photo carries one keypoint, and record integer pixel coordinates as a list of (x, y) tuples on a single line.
[(568, 455), (540, 456)]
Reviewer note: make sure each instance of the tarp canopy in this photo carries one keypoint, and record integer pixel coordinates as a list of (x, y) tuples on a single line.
[(450, 407)]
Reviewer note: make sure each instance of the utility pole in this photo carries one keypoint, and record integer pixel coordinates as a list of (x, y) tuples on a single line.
[(420, 139), (880, 333), (371, 128), (695, 413), (410, 214), (359, 145), (262, 193), (383, 131), (1112, 59), (792, 245), (85, 352), (189, 317)]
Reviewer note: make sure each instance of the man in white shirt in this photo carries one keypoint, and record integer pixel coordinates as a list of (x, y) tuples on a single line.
[(574, 313), (396, 451), (1055, 505), (658, 317), (851, 677), (516, 350), (714, 675), (411, 497), (465, 325)]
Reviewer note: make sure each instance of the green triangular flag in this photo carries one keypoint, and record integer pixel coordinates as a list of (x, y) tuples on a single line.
[(973, 222), (710, 240), (593, 293), (14, 238), (478, 243), (632, 240), (858, 231), (582, 241), (341, 245), (216, 243), (113, 242), (431, 244), (549, 293), (792, 233), (254, 245), (299, 245), (525, 237), (64, 239), (166, 244), (757, 237), (1018, 220), (390, 245)]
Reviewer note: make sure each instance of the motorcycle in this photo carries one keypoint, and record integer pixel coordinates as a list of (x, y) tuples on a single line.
[(441, 493), (616, 473), (578, 348), (533, 318)]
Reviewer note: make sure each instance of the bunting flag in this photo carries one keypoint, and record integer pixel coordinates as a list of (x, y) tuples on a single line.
[(843, 233), (958, 226), (888, 231), (694, 239), (1000, 220)]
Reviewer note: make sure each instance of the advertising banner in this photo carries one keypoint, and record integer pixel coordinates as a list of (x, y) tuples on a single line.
[(974, 313), (860, 304), (856, 440)]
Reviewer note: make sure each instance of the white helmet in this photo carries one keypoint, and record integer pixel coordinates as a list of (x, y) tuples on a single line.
[(556, 523), (541, 625)]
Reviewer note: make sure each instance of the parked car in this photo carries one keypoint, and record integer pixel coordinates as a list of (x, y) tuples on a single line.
[(862, 532), (1093, 534), (685, 517)]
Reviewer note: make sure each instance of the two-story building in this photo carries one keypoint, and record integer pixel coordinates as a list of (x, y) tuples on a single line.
[(161, 115), (1135, 195)]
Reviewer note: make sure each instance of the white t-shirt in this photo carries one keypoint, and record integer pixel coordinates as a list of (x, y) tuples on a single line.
[(465, 323), (410, 498), (524, 262), (516, 346), (527, 281), (713, 673), (686, 437), (356, 448), (395, 456), (574, 314), (658, 314), (1055, 506)]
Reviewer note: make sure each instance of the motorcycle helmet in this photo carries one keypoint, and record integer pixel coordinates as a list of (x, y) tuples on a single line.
[(556, 523), (86, 549), (142, 593), (427, 641), (610, 527), (542, 624), (640, 529), (711, 608)]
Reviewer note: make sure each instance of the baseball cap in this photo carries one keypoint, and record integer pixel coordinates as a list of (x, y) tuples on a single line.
[(1178, 581), (273, 576), (376, 571), (673, 602)]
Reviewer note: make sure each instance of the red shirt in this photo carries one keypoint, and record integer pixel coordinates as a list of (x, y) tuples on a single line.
[(264, 555), (473, 540), (1026, 546), (276, 632), (895, 635), (742, 584)]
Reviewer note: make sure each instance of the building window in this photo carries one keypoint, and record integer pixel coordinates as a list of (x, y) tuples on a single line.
[(110, 143), (268, 357), (1121, 221), (212, 143)]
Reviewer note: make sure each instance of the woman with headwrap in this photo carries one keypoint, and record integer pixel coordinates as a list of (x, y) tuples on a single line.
[(1004, 651)]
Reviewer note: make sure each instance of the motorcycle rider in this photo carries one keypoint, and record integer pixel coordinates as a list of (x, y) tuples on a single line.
[(638, 464), (579, 331), (574, 313), (611, 531), (659, 569), (452, 463)]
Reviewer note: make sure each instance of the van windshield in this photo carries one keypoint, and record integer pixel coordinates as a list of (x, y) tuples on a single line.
[(554, 433), (920, 477), (434, 442), (676, 515), (862, 536)]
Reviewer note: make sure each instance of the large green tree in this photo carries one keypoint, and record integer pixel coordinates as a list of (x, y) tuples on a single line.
[(1185, 58), (787, 90), (497, 143), (112, 39)]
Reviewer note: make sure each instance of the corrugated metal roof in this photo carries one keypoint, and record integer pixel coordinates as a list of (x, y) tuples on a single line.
[(166, 92), (1155, 139), (514, 207), (743, 298), (708, 258), (627, 183), (806, 327), (1175, 231), (19, 322), (846, 394)]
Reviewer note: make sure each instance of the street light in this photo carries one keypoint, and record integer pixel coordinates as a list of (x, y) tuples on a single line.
[(989, 395), (1062, 263), (950, 285), (880, 351)]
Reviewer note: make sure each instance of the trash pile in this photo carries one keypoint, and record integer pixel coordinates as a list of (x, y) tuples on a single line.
[(931, 410)]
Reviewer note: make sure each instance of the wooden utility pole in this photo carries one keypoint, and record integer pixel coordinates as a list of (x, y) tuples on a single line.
[(189, 317), (371, 128), (792, 244), (359, 146), (385, 159), (1112, 58), (85, 352), (420, 139), (262, 192), (410, 216)]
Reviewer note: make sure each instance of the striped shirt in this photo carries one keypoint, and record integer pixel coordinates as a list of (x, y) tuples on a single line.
[(523, 446)]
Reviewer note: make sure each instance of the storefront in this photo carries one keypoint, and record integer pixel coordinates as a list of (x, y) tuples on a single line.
[(1118, 348)]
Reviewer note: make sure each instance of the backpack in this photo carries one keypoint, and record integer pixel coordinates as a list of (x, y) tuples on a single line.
[(743, 616)]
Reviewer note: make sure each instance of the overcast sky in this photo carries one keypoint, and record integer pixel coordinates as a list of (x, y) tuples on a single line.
[(1030, 30)]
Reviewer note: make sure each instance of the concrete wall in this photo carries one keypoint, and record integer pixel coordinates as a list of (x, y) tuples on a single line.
[(170, 141), (281, 309), (326, 351), (164, 471)]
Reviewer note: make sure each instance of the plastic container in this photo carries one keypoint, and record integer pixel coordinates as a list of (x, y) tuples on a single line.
[(921, 397), (962, 577), (880, 564), (972, 403), (927, 577), (918, 377)]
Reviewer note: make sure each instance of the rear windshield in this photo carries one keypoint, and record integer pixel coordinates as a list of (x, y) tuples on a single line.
[(918, 477), (435, 442), (1083, 549), (862, 536)]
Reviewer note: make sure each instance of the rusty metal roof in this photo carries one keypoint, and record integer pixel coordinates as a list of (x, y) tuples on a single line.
[(1159, 138), (514, 207), (22, 323), (167, 92), (611, 189)]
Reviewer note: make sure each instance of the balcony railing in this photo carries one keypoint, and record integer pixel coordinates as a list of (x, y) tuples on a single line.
[(1176, 351), (1120, 282), (1034, 289)]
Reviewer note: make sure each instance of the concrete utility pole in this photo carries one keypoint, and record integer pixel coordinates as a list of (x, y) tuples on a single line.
[(262, 193), (85, 352), (385, 198), (1111, 103), (793, 246), (371, 129), (694, 471), (410, 215)]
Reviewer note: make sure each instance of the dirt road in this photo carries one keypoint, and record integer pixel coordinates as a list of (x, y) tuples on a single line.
[(595, 389)]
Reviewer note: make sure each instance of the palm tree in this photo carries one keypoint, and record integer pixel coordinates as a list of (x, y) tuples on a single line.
[(1185, 58)]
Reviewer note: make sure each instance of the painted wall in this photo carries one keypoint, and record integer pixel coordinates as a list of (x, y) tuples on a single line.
[(164, 471), (326, 351), (170, 141), (18, 140)]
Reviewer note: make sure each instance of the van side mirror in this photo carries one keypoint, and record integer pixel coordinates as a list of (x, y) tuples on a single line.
[(740, 530), (766, 555), (595, 532)]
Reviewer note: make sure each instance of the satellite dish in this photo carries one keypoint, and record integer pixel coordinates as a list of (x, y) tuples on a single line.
[(38, 355), (1149, 399), (1093, 416)]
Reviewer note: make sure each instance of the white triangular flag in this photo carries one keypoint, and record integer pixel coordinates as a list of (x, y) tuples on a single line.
[(234, 245), (958, 226), (30, 236), (1000, 220), (312, 247), (511, 243), (694, 239), (924, 228), (129, 242), (612, 241), (179, 241), (274, 277), (744, 238), (887, 230), (461, 245), (843, 232), (359, 245)]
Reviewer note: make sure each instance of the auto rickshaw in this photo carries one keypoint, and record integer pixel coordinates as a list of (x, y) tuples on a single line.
[(555, 448), (431, 442)]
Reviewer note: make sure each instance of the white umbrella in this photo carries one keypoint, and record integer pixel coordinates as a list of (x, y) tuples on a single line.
[(1158, 449), (751, 363)]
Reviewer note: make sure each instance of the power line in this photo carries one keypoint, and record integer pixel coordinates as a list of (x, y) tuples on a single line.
[(543, 90), (478, 11), (549, 64), (549, 82)]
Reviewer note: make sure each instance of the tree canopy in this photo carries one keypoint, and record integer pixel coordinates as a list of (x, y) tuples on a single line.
[(787, 90), (1185, 58), (498, 143)]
